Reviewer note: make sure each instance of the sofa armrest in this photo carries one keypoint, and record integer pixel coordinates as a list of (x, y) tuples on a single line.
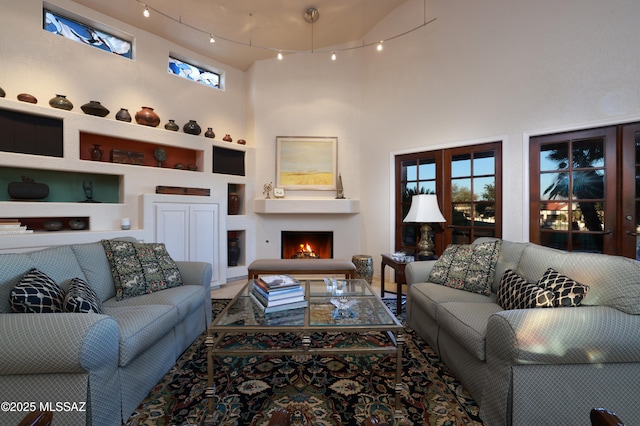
[(418, 271), (582, 335), (195, 273), (57, 343)]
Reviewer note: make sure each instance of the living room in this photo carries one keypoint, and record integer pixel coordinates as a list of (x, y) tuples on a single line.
[(481, 72)]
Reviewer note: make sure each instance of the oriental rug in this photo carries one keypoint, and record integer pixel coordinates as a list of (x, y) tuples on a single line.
[(320, 390)]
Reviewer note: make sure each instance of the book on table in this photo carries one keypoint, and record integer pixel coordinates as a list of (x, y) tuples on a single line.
[(283, 300)]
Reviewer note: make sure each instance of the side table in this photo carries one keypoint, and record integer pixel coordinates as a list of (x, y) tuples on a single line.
[(398, 267)]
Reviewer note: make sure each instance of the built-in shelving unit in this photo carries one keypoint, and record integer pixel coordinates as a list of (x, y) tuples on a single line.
[(65, 164)]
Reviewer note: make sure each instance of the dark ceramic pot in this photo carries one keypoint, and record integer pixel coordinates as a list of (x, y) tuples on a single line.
[(233, 252), (147, 117), (61, 102), (96, 152), (28, 189), (2, 93), (209, 133), (227, 138), (95, 108), (171, 125), (25, 97), (192, 128), (123, 115)]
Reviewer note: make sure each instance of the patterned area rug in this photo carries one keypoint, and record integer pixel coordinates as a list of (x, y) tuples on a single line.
[(320, 390)]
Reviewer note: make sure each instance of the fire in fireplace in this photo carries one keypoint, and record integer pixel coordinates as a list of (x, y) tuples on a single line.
[(307, 245)]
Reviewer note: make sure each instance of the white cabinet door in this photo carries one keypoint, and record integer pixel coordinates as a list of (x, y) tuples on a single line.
[(190, 232), (172, 228)]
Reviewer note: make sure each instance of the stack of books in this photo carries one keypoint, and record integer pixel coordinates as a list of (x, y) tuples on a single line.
[(13, 226), (274, 293)]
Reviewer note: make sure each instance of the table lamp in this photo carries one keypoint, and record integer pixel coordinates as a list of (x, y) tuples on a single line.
[(424, 209)]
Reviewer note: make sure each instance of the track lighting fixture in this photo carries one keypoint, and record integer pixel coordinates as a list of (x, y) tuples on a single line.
[(211, 39), (333, 56), (379, 46), (146, 11), (280, 55)]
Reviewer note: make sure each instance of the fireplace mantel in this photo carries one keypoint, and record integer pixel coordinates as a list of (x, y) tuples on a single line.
[(306, 206)]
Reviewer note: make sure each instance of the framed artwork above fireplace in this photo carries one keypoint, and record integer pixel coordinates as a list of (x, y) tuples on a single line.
[(306, 162)]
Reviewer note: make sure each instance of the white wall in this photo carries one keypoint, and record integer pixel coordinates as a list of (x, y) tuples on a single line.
[(483, 71)]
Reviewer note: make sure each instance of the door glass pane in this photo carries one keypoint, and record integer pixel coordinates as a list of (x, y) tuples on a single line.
[(485, 212), (588, 153), (554, 156), (461, 189), (409, 236), (484, 164), (591, 243), (554, 186), (427, 171), (557, 240), (428, 187), (484, 188), (461, 236), (410, 171), (461, 165), (588, 185), (588, 216), (553, 215), (461, 214), (637, 229)]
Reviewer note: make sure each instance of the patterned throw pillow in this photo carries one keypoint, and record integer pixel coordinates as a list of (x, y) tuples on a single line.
[(568, 292), (514, 292), (140, 268), (81, 298), (467, 267), (36, 293)]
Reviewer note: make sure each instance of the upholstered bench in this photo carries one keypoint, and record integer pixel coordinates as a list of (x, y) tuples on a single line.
[(326, 267)]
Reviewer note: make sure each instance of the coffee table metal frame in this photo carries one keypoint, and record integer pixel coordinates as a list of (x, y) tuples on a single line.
[(241, 316)]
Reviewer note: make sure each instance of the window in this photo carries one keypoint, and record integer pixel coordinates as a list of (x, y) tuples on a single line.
[(468, 182), (85, 33), (193, 72)]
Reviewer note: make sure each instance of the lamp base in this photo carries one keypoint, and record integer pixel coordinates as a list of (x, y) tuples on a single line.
[(425, 245)]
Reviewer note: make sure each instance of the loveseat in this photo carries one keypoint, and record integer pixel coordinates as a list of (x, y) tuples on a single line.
[(92, 368), (538, 366)]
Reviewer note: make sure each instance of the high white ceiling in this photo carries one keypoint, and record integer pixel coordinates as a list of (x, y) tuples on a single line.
[(277, 24)]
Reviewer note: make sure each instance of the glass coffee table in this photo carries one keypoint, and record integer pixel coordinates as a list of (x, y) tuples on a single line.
[(334, 306)]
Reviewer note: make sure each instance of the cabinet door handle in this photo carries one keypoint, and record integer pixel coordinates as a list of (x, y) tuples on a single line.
[(633, 234)]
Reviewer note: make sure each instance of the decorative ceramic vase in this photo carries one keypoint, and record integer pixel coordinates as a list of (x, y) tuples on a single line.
[(94, 108), (227, 138), (233, 206), (61, 102), (96, 152), (209, 133), (192, 128), (52, 225), (25, 97), (242, 142), (147, 117), (161, 155), (28, 189), (233, 252), (123, 115), (2, 93), (171, 125), (77, 224), (364, 266)]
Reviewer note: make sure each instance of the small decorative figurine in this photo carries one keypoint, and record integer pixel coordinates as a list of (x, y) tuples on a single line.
[(267, 189), (161, 155), (340, 189)]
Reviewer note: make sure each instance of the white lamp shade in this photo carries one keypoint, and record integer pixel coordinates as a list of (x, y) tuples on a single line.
[(424, 209)]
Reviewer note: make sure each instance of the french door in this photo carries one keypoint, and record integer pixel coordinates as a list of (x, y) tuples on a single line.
[(584, 190)]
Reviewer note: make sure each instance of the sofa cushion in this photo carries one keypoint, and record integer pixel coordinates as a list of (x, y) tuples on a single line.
[(140, 268), (140, 327), (567, 291), (515, 292), (467, 267), (187, 299), (37, 293), (467, 323), (95, 265), (430, 295), (81, 298)]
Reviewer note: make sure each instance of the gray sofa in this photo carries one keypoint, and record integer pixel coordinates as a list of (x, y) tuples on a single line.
[(106, 363), (542, 366)]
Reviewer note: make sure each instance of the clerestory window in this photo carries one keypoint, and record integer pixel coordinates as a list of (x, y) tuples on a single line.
[(193, 72)]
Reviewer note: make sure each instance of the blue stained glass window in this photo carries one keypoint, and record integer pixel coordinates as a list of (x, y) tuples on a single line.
[(77, 31), (194, 73)]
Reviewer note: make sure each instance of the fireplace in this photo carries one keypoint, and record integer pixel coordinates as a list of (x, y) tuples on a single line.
[(306, 245)]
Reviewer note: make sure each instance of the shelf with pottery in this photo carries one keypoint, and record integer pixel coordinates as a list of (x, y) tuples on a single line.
[(306, 205)]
